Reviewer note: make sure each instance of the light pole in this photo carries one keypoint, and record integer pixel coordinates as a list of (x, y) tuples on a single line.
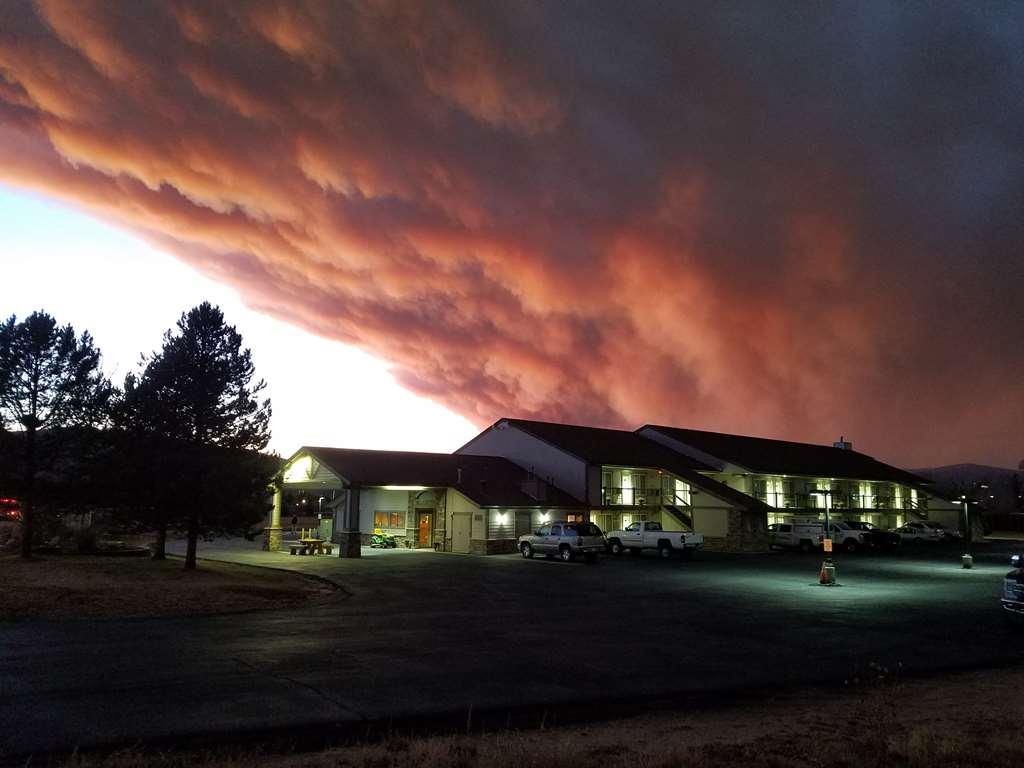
[(967, 560), (827, 574)]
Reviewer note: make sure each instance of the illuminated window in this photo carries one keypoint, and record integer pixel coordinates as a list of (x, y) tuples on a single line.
[(867, 497), (774, 491), (627, 487), (683, 493), (388, 519)]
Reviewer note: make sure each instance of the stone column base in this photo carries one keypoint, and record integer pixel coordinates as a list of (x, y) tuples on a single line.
[(271, 539), (350, 544)]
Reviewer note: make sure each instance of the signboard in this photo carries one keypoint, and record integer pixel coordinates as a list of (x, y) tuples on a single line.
[(827, 544)]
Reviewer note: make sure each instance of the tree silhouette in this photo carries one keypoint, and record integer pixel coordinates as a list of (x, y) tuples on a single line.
[(50, 382), (198, 392)]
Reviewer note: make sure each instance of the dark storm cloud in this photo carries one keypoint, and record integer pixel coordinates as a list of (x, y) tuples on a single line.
[(797, 221)]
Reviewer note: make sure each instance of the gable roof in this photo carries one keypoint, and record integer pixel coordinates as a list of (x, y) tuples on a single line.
[(760, 454), (489, 481), (597, 445)]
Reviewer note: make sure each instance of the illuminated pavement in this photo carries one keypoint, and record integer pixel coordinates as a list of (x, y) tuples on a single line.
[(418, 634)]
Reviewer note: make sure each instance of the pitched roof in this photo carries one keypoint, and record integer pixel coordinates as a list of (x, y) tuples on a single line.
[(760, 454), (490, 481), (597, 445)]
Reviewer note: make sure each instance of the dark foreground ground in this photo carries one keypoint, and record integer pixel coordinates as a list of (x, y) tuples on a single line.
[(495, 641)]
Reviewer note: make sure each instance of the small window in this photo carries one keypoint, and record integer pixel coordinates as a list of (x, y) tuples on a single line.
[(569, 530), (653, 526), (786, 528), (556, 530), (544, 530), (633, 527)]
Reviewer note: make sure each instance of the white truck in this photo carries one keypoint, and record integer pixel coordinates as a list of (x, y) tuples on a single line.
[(639, 536), (807, 534)]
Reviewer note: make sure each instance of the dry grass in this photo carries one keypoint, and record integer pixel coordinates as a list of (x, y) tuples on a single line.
[(78, 586), (965, 721)]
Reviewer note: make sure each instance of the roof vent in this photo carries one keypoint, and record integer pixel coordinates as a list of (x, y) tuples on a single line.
[(843, 444)]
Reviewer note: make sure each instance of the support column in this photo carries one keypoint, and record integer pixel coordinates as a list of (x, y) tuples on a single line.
[(272, 533), (350, 540)]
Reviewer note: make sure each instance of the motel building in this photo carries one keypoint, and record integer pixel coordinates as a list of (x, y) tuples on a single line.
[(440, 501), (517, 475), (802, 480)]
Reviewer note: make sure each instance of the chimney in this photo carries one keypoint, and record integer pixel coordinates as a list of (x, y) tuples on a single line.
[(535, 488), (842, 444)]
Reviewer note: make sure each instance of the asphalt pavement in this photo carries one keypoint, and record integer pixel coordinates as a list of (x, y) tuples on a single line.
[(416, 636)]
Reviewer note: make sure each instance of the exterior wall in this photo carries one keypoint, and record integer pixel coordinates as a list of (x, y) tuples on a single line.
[(372, 500), (566, 471)]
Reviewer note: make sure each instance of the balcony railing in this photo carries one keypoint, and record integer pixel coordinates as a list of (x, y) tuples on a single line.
[(842, 501), (643, 497)]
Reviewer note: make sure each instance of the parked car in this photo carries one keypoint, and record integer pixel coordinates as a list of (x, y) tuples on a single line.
[(639, 536), (1013, 589), (945, 534), (804, 536), (918, 533), (875, 537), (564, 539)]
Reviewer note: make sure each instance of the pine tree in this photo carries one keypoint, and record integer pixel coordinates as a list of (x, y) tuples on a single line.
[(50, 383), (198, 392)]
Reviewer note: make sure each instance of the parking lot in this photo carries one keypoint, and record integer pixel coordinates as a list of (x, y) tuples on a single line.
[(418, 634)]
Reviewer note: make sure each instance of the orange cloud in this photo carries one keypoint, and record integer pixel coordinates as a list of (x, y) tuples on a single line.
[(611, 217)]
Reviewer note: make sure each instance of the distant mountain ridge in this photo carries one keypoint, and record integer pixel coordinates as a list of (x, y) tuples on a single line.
[(1004, 485)]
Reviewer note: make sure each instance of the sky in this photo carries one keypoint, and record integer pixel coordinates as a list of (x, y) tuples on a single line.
[(126, 293), (799, 222)]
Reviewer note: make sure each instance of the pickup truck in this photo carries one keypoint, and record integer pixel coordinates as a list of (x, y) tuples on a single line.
[(639, 536)]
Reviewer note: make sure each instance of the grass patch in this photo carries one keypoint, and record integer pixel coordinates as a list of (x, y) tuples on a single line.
[(969, 720), (84, 586)]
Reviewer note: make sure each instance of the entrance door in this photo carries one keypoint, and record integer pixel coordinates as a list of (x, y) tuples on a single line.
[(425, 519)]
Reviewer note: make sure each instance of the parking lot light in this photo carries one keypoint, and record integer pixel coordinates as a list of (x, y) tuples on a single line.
[(827, 572)]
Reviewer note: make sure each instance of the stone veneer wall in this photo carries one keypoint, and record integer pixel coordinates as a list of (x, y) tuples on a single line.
[(489, 547), (747, 533)]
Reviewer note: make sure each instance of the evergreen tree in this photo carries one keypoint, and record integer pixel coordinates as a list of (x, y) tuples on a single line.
[(198, 393), (50, 384)]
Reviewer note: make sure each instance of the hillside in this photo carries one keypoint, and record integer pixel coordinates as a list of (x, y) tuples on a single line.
[(1004, 485)]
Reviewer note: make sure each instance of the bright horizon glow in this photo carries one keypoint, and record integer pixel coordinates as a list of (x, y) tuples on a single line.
[(126, 293)]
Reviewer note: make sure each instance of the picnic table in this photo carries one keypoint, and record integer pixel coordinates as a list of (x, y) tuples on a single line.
[(310, 546)]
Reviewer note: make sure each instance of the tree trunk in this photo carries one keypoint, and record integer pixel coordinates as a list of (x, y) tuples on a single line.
[(193, 539), (28, 496), (160, 545)]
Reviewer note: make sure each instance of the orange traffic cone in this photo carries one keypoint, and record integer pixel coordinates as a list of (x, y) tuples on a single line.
[(827, 575)]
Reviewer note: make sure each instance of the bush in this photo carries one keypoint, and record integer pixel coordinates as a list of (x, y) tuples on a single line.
[(85, 540)]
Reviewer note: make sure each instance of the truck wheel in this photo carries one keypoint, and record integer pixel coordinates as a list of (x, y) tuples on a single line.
[(850, 545), (565, 553), (526, 550), (616, 547), (664, 550)]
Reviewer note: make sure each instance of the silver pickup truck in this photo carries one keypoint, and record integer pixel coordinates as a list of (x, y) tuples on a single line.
[(639, 536)]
